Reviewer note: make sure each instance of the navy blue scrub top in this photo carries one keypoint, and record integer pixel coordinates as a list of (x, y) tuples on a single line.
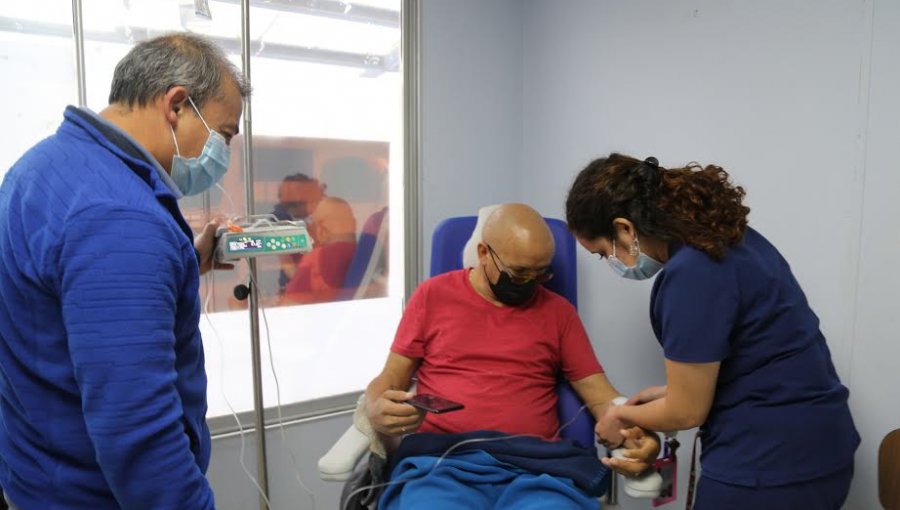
[(780, 413)]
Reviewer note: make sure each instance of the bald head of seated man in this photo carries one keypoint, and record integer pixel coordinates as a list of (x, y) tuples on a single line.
[(514, 255), (495, 340)]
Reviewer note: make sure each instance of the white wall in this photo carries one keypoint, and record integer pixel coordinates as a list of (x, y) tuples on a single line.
[(471, 108), (771, 91), (875, 352), (307, 442), (796, 99)]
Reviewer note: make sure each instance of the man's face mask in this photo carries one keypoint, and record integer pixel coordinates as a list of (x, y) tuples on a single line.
[(645, 267), (510, 292), (196, 175)]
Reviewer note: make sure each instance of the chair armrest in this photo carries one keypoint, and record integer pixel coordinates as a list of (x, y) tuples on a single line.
[(337, 464)]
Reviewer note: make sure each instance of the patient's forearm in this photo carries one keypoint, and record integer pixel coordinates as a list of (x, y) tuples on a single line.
[(379, 385), (596, 392), (376, 388), (397, 375)]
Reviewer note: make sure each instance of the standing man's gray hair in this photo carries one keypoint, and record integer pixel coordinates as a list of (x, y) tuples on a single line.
[(154, 66)]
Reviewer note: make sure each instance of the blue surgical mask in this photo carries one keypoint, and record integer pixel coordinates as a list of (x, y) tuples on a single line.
[(196, 175), (645, 267)]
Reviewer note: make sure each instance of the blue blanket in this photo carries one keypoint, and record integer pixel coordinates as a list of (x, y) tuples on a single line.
[(492, 472)]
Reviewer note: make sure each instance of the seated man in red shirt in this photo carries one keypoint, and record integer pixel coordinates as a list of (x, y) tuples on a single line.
[(319, 276), (493, 339)]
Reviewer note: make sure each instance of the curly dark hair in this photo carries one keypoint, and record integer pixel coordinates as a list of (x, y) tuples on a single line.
[(692, 205)]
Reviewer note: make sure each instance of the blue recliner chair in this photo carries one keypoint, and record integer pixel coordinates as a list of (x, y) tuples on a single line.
[(448, 241), (367, 257)]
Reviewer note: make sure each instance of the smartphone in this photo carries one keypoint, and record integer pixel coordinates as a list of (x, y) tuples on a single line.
[(433, 403)]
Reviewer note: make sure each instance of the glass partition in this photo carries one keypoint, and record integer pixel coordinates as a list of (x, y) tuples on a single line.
[(38, 68), (327, 150)]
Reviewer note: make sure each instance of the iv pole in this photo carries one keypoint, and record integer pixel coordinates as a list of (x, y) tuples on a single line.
[(258, 405)]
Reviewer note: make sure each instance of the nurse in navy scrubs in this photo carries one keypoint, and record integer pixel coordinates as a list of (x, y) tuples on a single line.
[(744, 356)]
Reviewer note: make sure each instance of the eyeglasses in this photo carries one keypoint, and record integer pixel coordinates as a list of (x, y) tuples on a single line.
[(541, 276)]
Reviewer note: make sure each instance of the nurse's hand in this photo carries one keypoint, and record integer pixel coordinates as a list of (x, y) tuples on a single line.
[(641, 450), (391, 416), (647, 395)]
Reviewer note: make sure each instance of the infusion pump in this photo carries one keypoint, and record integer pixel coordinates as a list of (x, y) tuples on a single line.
[(259, 235)]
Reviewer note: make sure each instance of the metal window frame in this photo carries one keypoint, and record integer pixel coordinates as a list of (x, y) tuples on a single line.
[(373, 64)]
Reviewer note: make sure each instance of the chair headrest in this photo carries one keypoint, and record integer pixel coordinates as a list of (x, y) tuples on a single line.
[(470, 251)]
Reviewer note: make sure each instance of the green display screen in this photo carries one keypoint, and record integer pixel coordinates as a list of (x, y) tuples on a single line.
[(266, 243)]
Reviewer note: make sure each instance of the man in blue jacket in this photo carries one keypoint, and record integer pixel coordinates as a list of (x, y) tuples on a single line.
[(102, 380)]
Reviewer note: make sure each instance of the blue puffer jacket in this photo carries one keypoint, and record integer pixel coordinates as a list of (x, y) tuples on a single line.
[(102, 381)]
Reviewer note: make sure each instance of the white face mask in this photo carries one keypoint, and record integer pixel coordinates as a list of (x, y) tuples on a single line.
[(645, 267), (196, 175)]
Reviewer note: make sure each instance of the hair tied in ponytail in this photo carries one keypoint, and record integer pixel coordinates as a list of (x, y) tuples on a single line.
[(649, 170)]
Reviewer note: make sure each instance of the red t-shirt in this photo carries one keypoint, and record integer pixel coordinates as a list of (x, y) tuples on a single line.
[(500, 362), (320, 274)]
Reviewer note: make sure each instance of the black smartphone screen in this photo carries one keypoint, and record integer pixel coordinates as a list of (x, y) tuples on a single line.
[(433, 403)]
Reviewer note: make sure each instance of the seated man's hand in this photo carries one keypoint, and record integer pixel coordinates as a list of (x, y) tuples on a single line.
[(609, 427), (641, 449), (390, 416)]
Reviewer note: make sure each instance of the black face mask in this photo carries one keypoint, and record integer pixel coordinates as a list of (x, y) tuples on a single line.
[(510, 293)]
